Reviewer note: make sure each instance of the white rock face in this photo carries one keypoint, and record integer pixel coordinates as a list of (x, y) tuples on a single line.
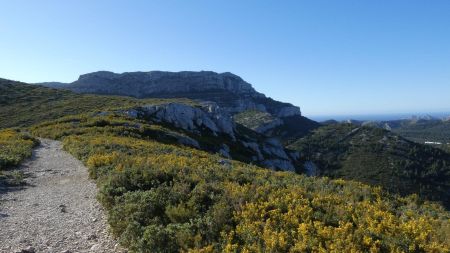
[(192, 118), (141, 84), (271, 154), (230, 91), (208, 116)]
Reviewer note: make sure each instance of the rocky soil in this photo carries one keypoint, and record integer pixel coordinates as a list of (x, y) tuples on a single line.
[(57, 210)]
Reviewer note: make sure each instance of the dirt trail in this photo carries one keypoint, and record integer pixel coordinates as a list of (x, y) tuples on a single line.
[(57, 211)]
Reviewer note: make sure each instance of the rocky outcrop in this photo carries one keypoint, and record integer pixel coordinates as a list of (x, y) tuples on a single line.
[(255, 148), (272, 154), (190, 118), (273, 148), (144, 84), (218, 97), (229, 91), (226, 90), (207, 119)]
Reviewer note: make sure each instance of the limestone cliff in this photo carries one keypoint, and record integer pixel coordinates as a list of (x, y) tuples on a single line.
[(226, 90), (208, 127), (229, 91)]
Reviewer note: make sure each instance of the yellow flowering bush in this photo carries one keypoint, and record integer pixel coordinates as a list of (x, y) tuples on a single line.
[(14, 147), (170, 198)]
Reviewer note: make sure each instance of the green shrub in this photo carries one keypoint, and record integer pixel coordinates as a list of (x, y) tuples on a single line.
[(379, 157), (14, 147), (170, 198)]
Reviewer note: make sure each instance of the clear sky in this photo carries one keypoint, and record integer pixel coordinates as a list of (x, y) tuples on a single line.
[(328, 57)]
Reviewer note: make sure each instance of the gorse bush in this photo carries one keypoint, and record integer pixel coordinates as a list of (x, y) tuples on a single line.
[(162, 197), (14, 147)]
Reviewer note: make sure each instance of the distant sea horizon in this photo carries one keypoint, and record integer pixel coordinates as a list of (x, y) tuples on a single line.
[(377, 117)]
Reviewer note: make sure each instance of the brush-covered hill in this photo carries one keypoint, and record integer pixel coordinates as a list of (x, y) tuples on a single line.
[(200, 125), (287, 129), (164, 197), (378, 157), (230, 92), (425, 130), (422, 130), (418, 129), (23, 104), (164, 190)]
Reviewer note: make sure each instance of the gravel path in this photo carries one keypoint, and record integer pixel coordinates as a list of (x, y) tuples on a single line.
[(57, 211)]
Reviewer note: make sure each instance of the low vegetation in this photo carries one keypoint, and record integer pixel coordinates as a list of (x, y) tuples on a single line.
[(288, 130), (424, 130), (446, 148), (163, 197), (23, 105), (14, 147), (253, 118), (378, 157)]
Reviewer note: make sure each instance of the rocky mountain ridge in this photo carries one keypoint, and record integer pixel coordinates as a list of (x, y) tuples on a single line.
[(201, 125), (228, 91)]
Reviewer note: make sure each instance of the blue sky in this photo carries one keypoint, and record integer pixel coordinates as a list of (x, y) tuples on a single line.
[(328, 57)]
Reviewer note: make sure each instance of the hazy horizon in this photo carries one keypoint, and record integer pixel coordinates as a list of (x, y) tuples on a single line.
[(329, 58), (378, 116)]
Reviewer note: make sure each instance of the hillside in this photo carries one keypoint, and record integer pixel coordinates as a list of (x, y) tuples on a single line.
[(230, 92), (378, 157), (169, 178), (424, 130), (23, 104), (287, 129), (418, 129), (201, 125), (170, 198), (205, 126)]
